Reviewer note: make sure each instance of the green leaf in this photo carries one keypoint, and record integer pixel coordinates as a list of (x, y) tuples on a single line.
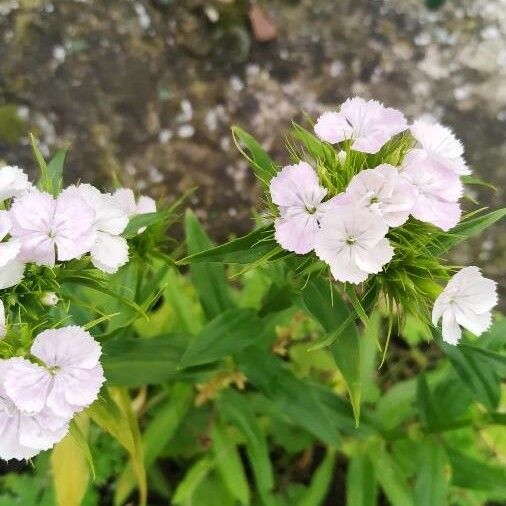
[(157, 435), (318, 150), (108, 415), (261, 163), (227, 334), (55, 172), (44, 180), (331, 312), (208, 278), (471, 180), (390, 477), (191, 481), (465, 229), (361, 487), (469, 473), (429, 413), (257, 245), (320, 483), (77, 428), (237, 410), (178, 295), (229, 465), (431, 488), (136, 362), (476, 374), (70, 471), (292, 396), (495, 360)]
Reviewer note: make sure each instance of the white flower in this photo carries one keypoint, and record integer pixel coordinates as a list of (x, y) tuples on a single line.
[(50, 229), (69, 379), (298, 193), (11, 269), (467, 301), (13, 182), (23, 435), (436, 192), (368, 123), (440, 147), (352, 242), (109, 251), (384, 192)]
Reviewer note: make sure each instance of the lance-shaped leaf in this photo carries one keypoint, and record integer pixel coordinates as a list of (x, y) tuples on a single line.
[(465, 229), (237, 410), (227, 334), (257, 245), (261, 163), (326, 305), (297, 399), (208, 278), (119, 423)]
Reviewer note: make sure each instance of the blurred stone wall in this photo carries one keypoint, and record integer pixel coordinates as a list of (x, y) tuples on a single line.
[(148, 89)]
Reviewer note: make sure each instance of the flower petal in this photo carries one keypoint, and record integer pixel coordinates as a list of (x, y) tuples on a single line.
[(109, 252), (332, 127), (27, 384)]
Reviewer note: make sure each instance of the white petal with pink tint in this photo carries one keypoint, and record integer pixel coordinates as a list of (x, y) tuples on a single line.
[(383, 191), (466, 301), (73, 356), (440, 147), (297, 192), (13, 182), (436, 192), (49, 228), (352, 242), (368, 123)]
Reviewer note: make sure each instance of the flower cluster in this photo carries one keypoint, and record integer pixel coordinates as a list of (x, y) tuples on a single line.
[(39, 397), (46, 380), (44, 229), (350, 228)]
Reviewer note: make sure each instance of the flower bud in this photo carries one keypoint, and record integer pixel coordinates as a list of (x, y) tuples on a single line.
[(49, 299), (341, 156)]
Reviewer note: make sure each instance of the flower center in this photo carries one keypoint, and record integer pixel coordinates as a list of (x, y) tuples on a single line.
[(373, 200), (351, 240), (311, 209)]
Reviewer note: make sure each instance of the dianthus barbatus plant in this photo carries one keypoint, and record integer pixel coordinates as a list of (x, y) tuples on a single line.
[(371, 204), (52, 238)]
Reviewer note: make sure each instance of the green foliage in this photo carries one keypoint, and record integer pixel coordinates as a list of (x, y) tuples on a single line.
[(260, 382)]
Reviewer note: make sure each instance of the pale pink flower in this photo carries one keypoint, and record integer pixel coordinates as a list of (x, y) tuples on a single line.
[(109, 251), (51, 228), (11, 268), (69, 378), (467, 301), (352, 242), (439, 146), (368, 123), (22, 434), (297, 192), (436, 192), (13, 182), (383, 191)]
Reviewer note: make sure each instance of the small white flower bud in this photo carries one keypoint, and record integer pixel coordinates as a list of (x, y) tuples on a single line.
[(49, 299), (341, 156)]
